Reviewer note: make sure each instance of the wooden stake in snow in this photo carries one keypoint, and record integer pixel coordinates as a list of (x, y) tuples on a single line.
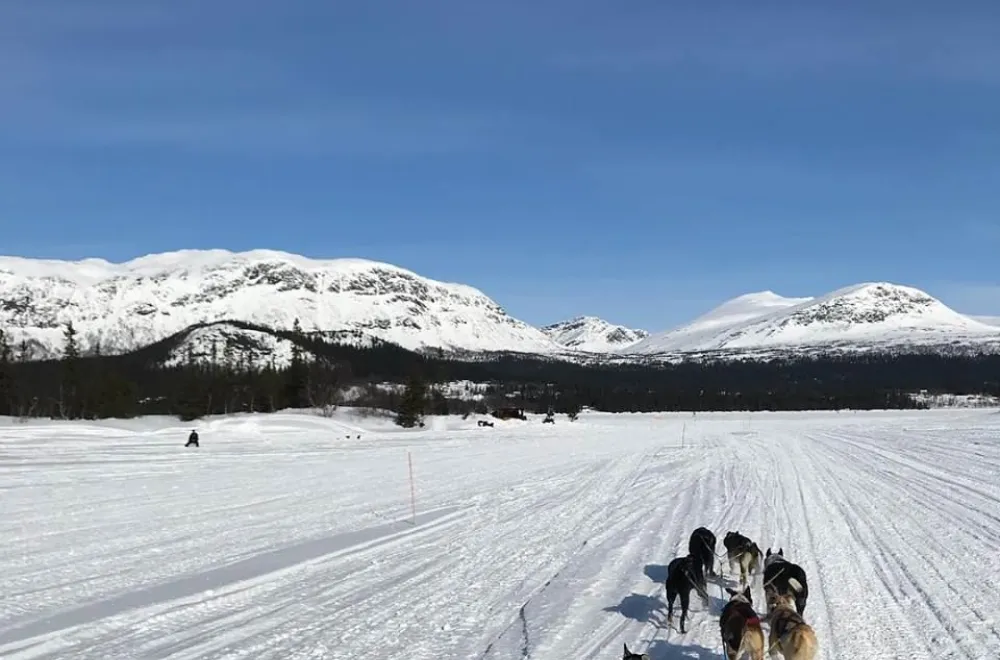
[(683, 433), (413, 494)]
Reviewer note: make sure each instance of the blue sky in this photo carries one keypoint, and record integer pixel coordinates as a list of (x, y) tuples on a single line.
[(639, 160)]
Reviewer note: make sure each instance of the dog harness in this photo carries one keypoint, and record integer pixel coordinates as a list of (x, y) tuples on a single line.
[(747, 612), (786, 624)]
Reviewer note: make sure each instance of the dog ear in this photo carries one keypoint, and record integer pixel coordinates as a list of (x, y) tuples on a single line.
[(730, 591), (768, 552), (627, 652), (746, 592), (781, 551)]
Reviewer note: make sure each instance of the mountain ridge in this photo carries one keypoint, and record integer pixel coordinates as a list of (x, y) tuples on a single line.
[(593, 334), (123, 306), (868, 314)]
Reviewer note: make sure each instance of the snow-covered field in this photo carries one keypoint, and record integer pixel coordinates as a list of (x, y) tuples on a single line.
[(282, 538)]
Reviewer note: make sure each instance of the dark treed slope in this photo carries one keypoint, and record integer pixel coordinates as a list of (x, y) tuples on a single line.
[(138, 383)]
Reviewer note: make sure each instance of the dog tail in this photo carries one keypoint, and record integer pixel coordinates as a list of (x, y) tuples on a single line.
[(795, 585)]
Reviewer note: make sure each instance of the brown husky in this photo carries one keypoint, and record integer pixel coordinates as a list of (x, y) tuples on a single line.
[(740, 627), (790, 634)]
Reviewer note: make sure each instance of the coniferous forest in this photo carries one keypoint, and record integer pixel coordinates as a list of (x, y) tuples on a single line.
[(97, 386)]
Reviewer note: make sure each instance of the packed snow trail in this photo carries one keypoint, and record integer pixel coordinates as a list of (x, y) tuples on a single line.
[(282, 538)]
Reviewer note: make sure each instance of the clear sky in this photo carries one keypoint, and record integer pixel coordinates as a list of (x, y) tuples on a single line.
[(640, 160)]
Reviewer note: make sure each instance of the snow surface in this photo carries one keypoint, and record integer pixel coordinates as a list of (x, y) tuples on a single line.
[(132, 304), (456, 390), (281, 537), (862, 315), (956, 400), (592, 334)]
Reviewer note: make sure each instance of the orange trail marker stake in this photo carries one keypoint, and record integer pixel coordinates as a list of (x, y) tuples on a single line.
[(413, 494)]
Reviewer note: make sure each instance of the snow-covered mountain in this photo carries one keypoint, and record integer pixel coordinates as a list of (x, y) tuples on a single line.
[(592, 334), (988, 320), (859, 317), (706, 327), (128, 305)]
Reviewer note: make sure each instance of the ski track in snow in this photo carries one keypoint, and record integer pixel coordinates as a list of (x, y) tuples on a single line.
[(279, 538)]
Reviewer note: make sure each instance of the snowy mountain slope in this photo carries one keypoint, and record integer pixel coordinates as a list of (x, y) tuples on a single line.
[(132, 304), (988, 320), (876, 314), (282, 538), (592, 334), (225, 342), (727, 315), (221, 343)]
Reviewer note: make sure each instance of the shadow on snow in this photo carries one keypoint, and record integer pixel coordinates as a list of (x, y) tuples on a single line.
[(656, 572), (664, 650), (650, 609), (641, 608)]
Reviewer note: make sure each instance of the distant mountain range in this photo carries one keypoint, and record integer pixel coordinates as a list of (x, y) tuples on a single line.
[(861, 317), (988, 320), (118, 308), (589, 333)]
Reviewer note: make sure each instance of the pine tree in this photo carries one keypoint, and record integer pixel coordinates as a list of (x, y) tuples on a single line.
[(71, 350), (439, 404), (296, 380), (6, 376), (414, 400), (92, 400), (68, 401)]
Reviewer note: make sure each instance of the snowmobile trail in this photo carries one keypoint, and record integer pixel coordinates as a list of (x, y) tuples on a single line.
[(533, 542)]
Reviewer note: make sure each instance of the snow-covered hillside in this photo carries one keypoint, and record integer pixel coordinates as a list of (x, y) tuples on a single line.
[(226, 343), (859, 317), (592, 334), (988, 320), (727, 315), (129, 305), (289, 536)]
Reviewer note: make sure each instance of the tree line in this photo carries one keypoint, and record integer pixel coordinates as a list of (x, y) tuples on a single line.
[(147, 382)]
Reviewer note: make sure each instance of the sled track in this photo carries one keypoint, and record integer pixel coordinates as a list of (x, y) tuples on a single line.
[(927, 588), (556, 547)]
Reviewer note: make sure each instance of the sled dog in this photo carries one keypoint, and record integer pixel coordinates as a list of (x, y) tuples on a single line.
[(790, 634), (629, 655), (786, 577), (683, 575), (740, 627), (701, 545), (742, 552)]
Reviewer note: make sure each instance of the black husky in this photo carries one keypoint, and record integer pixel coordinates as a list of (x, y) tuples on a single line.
[(683, 575), (631, 655), (701, 546), (784, 577)]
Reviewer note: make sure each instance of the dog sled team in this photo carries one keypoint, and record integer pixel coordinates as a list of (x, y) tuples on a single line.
[(785, 593)]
